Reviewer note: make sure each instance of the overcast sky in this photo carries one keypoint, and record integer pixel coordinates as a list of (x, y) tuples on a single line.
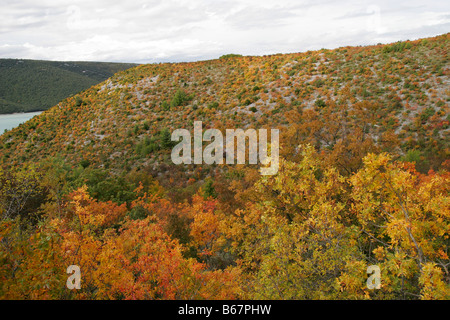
[(188, 30)]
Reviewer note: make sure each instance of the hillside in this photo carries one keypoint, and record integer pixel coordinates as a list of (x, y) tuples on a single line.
[(397, 95), (34, 85), (363, 182)]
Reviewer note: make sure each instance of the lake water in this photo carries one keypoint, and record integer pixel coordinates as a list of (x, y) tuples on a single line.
[(9, 121)]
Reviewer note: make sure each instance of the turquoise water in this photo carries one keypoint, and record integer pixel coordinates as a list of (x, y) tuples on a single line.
[(9, 121)]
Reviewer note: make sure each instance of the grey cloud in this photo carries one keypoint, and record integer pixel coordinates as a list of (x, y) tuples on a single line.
[(187, 30), (259, 18), (419, 32)]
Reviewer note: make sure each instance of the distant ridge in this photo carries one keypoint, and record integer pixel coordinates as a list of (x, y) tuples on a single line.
[(35, 85)]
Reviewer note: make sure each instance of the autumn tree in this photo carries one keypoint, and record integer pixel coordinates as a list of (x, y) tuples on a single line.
[(404, 219), (295, 242)]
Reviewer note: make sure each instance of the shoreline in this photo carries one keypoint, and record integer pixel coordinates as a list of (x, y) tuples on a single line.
[(10, 121), (26, 112)]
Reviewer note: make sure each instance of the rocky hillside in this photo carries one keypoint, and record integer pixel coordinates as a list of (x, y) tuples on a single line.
[(391, 97)]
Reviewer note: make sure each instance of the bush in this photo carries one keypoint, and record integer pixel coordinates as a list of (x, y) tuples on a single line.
[(85, 163), (165, 105), (180, 98), (213, 105), (78, 101), (320, 103), (426, 114), (229, 56), (165, 138), (209, 190)]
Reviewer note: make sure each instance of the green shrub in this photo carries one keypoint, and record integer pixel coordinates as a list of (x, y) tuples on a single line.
[(180, 98), (213, 105), (320, 103), (85, 163), (229, 56)]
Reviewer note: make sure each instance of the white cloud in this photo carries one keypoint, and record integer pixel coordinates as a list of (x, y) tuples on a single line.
[(173, 30)]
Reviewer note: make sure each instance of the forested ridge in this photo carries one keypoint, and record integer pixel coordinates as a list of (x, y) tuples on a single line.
[(363, 180), (36, 85)]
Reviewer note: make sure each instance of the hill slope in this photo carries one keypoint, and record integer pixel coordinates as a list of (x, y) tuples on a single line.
[(31, 85), (395, 95)]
